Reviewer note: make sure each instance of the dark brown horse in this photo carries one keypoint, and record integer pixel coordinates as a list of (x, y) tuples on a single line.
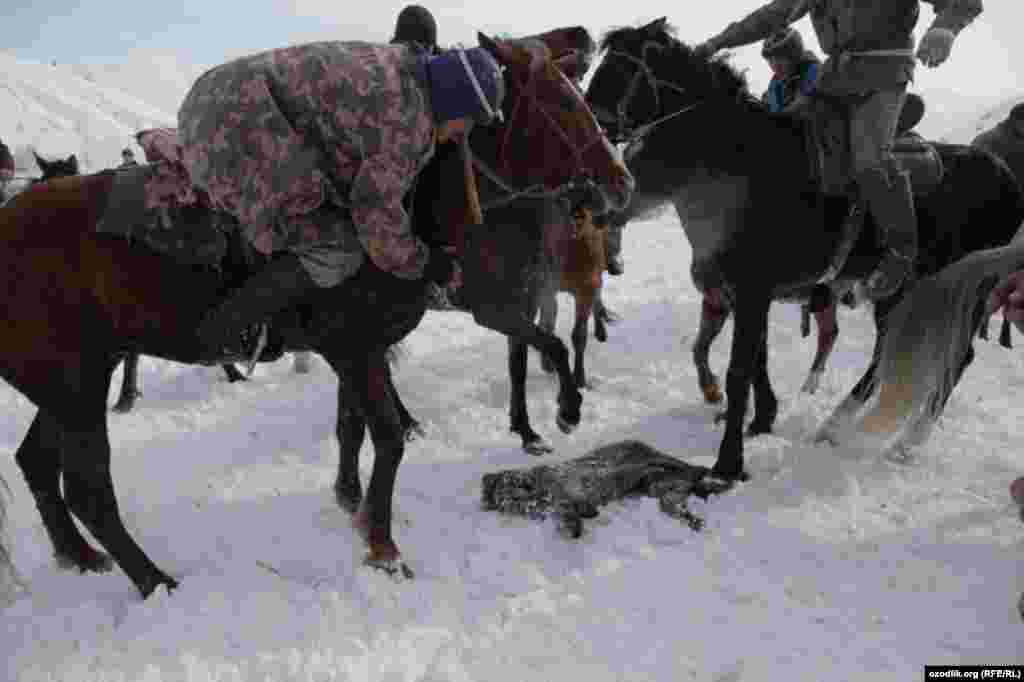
[(73, 301)]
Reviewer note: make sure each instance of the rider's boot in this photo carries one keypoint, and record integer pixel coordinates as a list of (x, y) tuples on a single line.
[(890, 199), (282, 282)]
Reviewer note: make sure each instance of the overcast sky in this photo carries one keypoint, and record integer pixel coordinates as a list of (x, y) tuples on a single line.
[(987, 61)]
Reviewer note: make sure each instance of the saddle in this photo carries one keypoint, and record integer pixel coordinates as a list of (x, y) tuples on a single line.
[(827, 141)]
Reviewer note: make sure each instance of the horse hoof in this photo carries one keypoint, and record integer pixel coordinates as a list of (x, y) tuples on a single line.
[(601, 335), (712, 394), (122, 408), (721, 416), (413, 431), (395, 568), (88, 561), (564, 425), (726, 477), (536, 447)]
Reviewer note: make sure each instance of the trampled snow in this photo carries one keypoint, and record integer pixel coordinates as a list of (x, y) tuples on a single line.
[(832, 563)]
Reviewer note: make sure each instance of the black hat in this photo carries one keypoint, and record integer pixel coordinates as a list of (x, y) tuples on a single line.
[(416, 25), (786, 44)]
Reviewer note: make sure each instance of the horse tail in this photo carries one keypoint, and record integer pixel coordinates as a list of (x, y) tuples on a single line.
[(929, 333)]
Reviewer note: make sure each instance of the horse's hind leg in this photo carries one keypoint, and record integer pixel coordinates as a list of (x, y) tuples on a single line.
[(548, 305), (39, 457), (828, 330), (713, 314), (350, 429), (766, 405), (129, 384)]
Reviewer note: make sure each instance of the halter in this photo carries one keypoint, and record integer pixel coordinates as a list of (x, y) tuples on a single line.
[(643, 73)]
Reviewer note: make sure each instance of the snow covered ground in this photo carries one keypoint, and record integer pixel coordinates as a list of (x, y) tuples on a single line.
[(832, 563)]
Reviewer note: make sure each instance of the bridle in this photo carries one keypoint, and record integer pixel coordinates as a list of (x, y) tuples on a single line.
[(626, 133), (527, 98)]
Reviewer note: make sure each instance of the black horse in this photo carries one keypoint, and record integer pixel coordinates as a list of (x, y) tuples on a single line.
[(759, 225)]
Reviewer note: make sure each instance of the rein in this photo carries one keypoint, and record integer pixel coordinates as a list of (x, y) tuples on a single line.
[(644, 72)]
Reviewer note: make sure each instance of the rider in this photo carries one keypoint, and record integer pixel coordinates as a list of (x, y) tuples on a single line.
[(415, 24), (128, 158), (6, 170), (794, 71), (870, 61), (312, 148)]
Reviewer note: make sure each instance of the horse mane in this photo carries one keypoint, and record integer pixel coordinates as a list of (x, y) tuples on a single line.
[(714, 75)]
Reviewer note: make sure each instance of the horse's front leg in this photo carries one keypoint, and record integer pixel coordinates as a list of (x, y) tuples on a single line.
[(714, 311), (766, 405), (747, 342), (584, 309), (507, 320)]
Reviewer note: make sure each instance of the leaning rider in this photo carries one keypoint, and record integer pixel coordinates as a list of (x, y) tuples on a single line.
[(312, 149), (869, 44)]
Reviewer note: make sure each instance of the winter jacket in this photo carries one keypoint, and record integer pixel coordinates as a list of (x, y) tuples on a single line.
[(848, 27), (782, 91), (1005, 140), (275, 137)]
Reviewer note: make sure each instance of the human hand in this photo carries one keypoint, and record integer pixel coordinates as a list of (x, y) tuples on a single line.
[(1009, 295), (705, 50), (935, 46)]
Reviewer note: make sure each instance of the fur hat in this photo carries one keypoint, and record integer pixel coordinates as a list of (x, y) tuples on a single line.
[(416, 25), (454, 76), (786, 44)]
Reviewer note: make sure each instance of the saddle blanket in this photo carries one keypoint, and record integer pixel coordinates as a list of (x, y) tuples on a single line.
[(157, 205)]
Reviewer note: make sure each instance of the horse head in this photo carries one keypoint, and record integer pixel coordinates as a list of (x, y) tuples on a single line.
[(549, 139), (648, 76), (56, 169)]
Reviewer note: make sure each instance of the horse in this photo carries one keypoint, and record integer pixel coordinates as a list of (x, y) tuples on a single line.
[(750, 191), (74, 300)]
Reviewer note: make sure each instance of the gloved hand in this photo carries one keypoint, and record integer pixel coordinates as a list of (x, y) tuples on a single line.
[(441, 268), (935, 46), (1009, 295)]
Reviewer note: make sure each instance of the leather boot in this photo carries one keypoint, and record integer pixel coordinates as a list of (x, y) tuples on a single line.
[(282, 282), (890, 199)]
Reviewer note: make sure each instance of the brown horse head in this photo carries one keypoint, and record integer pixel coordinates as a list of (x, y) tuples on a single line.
[(550, 138)]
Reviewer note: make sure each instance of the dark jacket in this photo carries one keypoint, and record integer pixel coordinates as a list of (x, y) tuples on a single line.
[(847, 27)]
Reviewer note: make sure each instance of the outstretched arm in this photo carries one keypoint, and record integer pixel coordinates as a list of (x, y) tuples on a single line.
[(951, 16), (759, 24)]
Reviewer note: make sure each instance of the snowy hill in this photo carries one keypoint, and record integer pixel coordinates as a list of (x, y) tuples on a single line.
[(830, 564), (61, 110)]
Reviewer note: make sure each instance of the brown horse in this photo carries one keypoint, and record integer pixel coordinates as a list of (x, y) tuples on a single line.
[(73, 301), (580, 260)]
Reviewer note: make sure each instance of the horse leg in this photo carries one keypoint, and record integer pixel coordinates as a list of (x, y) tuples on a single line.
[(39, 457), (370, 381), (519, 416), (547, 321), (766, 405), (843, 416), (232, 373), (828, 331), (350, 430), (714, 312), (302, 362), (602, 317), (129, 384), (88, 487), (508, 321), (747, 342), (584, 308)]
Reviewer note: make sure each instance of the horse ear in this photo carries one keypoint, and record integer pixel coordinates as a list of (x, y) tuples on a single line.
[(40, 161), (489, 44), (656, 25), (73, 159)]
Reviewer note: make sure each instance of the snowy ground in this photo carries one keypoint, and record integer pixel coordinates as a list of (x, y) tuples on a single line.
[(829, 564)]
